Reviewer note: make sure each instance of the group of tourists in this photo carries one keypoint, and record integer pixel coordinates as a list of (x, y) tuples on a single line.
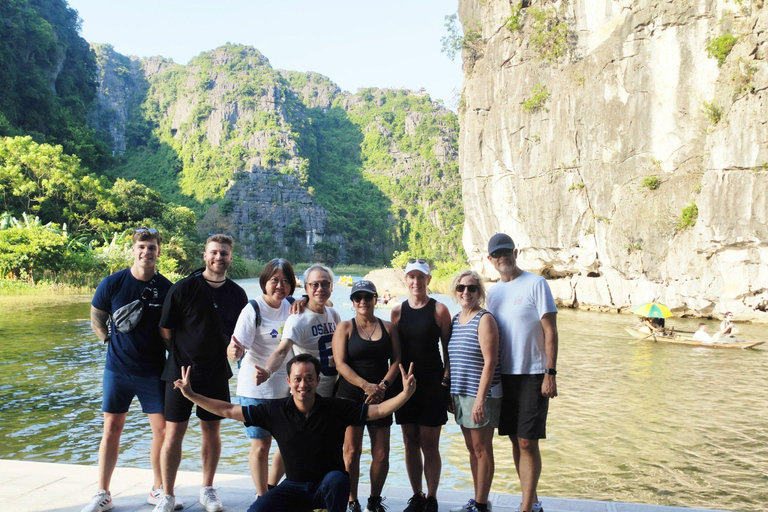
[(316, 384)]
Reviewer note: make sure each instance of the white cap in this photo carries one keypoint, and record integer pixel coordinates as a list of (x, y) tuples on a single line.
[(420, 265)]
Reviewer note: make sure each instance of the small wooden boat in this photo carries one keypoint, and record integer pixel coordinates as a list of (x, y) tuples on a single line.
[(680, 339)]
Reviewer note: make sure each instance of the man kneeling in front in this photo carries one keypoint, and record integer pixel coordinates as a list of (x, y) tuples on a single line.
[(309, 431)]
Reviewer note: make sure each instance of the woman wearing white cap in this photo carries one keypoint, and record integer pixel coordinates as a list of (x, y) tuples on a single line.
[(424, 325), (367, 355)]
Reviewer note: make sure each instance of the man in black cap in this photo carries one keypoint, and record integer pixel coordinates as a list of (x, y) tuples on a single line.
[(525, 310)]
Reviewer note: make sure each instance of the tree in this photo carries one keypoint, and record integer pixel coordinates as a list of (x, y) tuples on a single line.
[(326, 253), (40, 179)]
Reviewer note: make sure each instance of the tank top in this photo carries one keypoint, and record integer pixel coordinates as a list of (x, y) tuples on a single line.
[(467, 358), (420, 338), (368, 358)]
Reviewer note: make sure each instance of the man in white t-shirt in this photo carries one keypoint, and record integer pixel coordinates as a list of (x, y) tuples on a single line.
[(309, 332), (523, 306)]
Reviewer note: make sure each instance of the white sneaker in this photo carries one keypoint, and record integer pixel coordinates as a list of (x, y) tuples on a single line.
[(470, 507), (210, 500), (101, 502), (156, 494), (466, 507), (537, 507), (166, 503)]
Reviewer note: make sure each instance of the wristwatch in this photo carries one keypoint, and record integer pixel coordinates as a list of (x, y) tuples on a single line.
[(550, 371)]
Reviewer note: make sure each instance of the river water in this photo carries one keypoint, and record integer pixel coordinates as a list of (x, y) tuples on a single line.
[(635, 421)]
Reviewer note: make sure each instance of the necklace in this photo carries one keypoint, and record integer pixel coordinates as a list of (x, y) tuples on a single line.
[(212, 281), (366, 332)]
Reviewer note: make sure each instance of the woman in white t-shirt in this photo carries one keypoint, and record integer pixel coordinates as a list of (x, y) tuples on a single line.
[(256, 336)]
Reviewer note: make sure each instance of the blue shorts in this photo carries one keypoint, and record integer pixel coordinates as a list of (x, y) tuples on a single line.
[(257, 432), (120, 388)]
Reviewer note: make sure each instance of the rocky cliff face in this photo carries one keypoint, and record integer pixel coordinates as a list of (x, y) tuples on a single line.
[(285, 160), (626, 161)]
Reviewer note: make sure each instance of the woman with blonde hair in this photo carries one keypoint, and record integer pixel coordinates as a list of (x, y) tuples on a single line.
[(475, 381)]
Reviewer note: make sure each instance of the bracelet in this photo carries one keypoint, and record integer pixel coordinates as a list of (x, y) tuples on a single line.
[(446, 380), (386, 384)]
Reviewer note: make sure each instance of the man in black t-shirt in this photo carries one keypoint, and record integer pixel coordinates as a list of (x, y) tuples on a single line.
[(199, 317), (309, 430)]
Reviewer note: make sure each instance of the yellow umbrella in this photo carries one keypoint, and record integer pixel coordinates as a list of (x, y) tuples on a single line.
[(653, 310)]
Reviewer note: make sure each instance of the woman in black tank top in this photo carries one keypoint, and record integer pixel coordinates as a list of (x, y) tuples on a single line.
[(424, 326), (367, 355)]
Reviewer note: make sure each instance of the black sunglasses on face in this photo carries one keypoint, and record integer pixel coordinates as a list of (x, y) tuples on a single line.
[(414, 260), (471, 288), (151, 231), (362, 297), (501, 252)]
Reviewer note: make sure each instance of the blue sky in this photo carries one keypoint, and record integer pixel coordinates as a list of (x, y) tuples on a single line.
[(355, 43)]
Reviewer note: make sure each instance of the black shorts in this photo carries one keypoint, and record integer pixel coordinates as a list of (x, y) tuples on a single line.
[(426, 407), (178, 408), (349, 391), (523, 407)]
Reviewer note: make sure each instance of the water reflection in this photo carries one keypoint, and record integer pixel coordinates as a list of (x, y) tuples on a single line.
[(635, 421)]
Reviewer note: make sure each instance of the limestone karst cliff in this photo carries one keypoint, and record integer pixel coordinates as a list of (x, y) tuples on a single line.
[(624, 145), (285, 160)]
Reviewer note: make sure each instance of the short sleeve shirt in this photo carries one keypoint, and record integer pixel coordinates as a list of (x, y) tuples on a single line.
[(139, 352), (312, 333), (518, 306), (261, 341), (311, 446), (203, 319)]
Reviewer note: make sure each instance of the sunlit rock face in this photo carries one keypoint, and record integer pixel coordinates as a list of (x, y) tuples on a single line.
[(561, 147)]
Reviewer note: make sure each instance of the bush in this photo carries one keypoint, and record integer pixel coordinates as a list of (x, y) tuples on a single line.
[(689, 216), (713, 111), (651, 182), (720, 47), (549, 35), (539, 96)]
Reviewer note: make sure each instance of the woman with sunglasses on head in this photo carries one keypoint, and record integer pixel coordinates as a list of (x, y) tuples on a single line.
[(256, 336), (475, 382), (423, 325), (367, 355)]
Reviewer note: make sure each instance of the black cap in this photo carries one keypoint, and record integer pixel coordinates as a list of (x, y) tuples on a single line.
[(363, 286), (500, 241)]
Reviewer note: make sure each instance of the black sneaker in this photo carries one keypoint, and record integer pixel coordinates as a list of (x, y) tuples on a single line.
[(354, 506), (375, 504), (416, 503), (430, 504)]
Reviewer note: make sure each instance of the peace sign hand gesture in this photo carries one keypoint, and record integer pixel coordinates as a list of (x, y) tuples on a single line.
[(183, 383), (409, 381)]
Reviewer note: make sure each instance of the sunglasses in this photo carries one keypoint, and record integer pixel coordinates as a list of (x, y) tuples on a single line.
[(151, 231), (325, 285), (363, 297), (414, 260), (471, 288), (501, 252)]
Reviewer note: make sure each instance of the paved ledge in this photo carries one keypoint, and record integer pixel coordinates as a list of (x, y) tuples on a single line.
[(40, 486)]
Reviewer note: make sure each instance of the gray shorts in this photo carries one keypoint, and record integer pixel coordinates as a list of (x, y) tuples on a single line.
[(462, 410)]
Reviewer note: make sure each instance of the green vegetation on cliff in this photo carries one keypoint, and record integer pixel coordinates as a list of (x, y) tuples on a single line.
[(48, 77)]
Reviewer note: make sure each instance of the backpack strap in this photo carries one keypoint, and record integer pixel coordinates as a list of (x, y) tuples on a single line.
[(255, 306)]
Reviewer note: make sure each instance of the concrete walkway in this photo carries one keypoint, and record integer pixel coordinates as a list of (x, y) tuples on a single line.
[(39, 486)]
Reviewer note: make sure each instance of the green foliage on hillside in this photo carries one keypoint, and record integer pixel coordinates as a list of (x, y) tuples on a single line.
[(356, 208), (719, 47), (40, 182), (426, 194), (688, 216), (48, 77)]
